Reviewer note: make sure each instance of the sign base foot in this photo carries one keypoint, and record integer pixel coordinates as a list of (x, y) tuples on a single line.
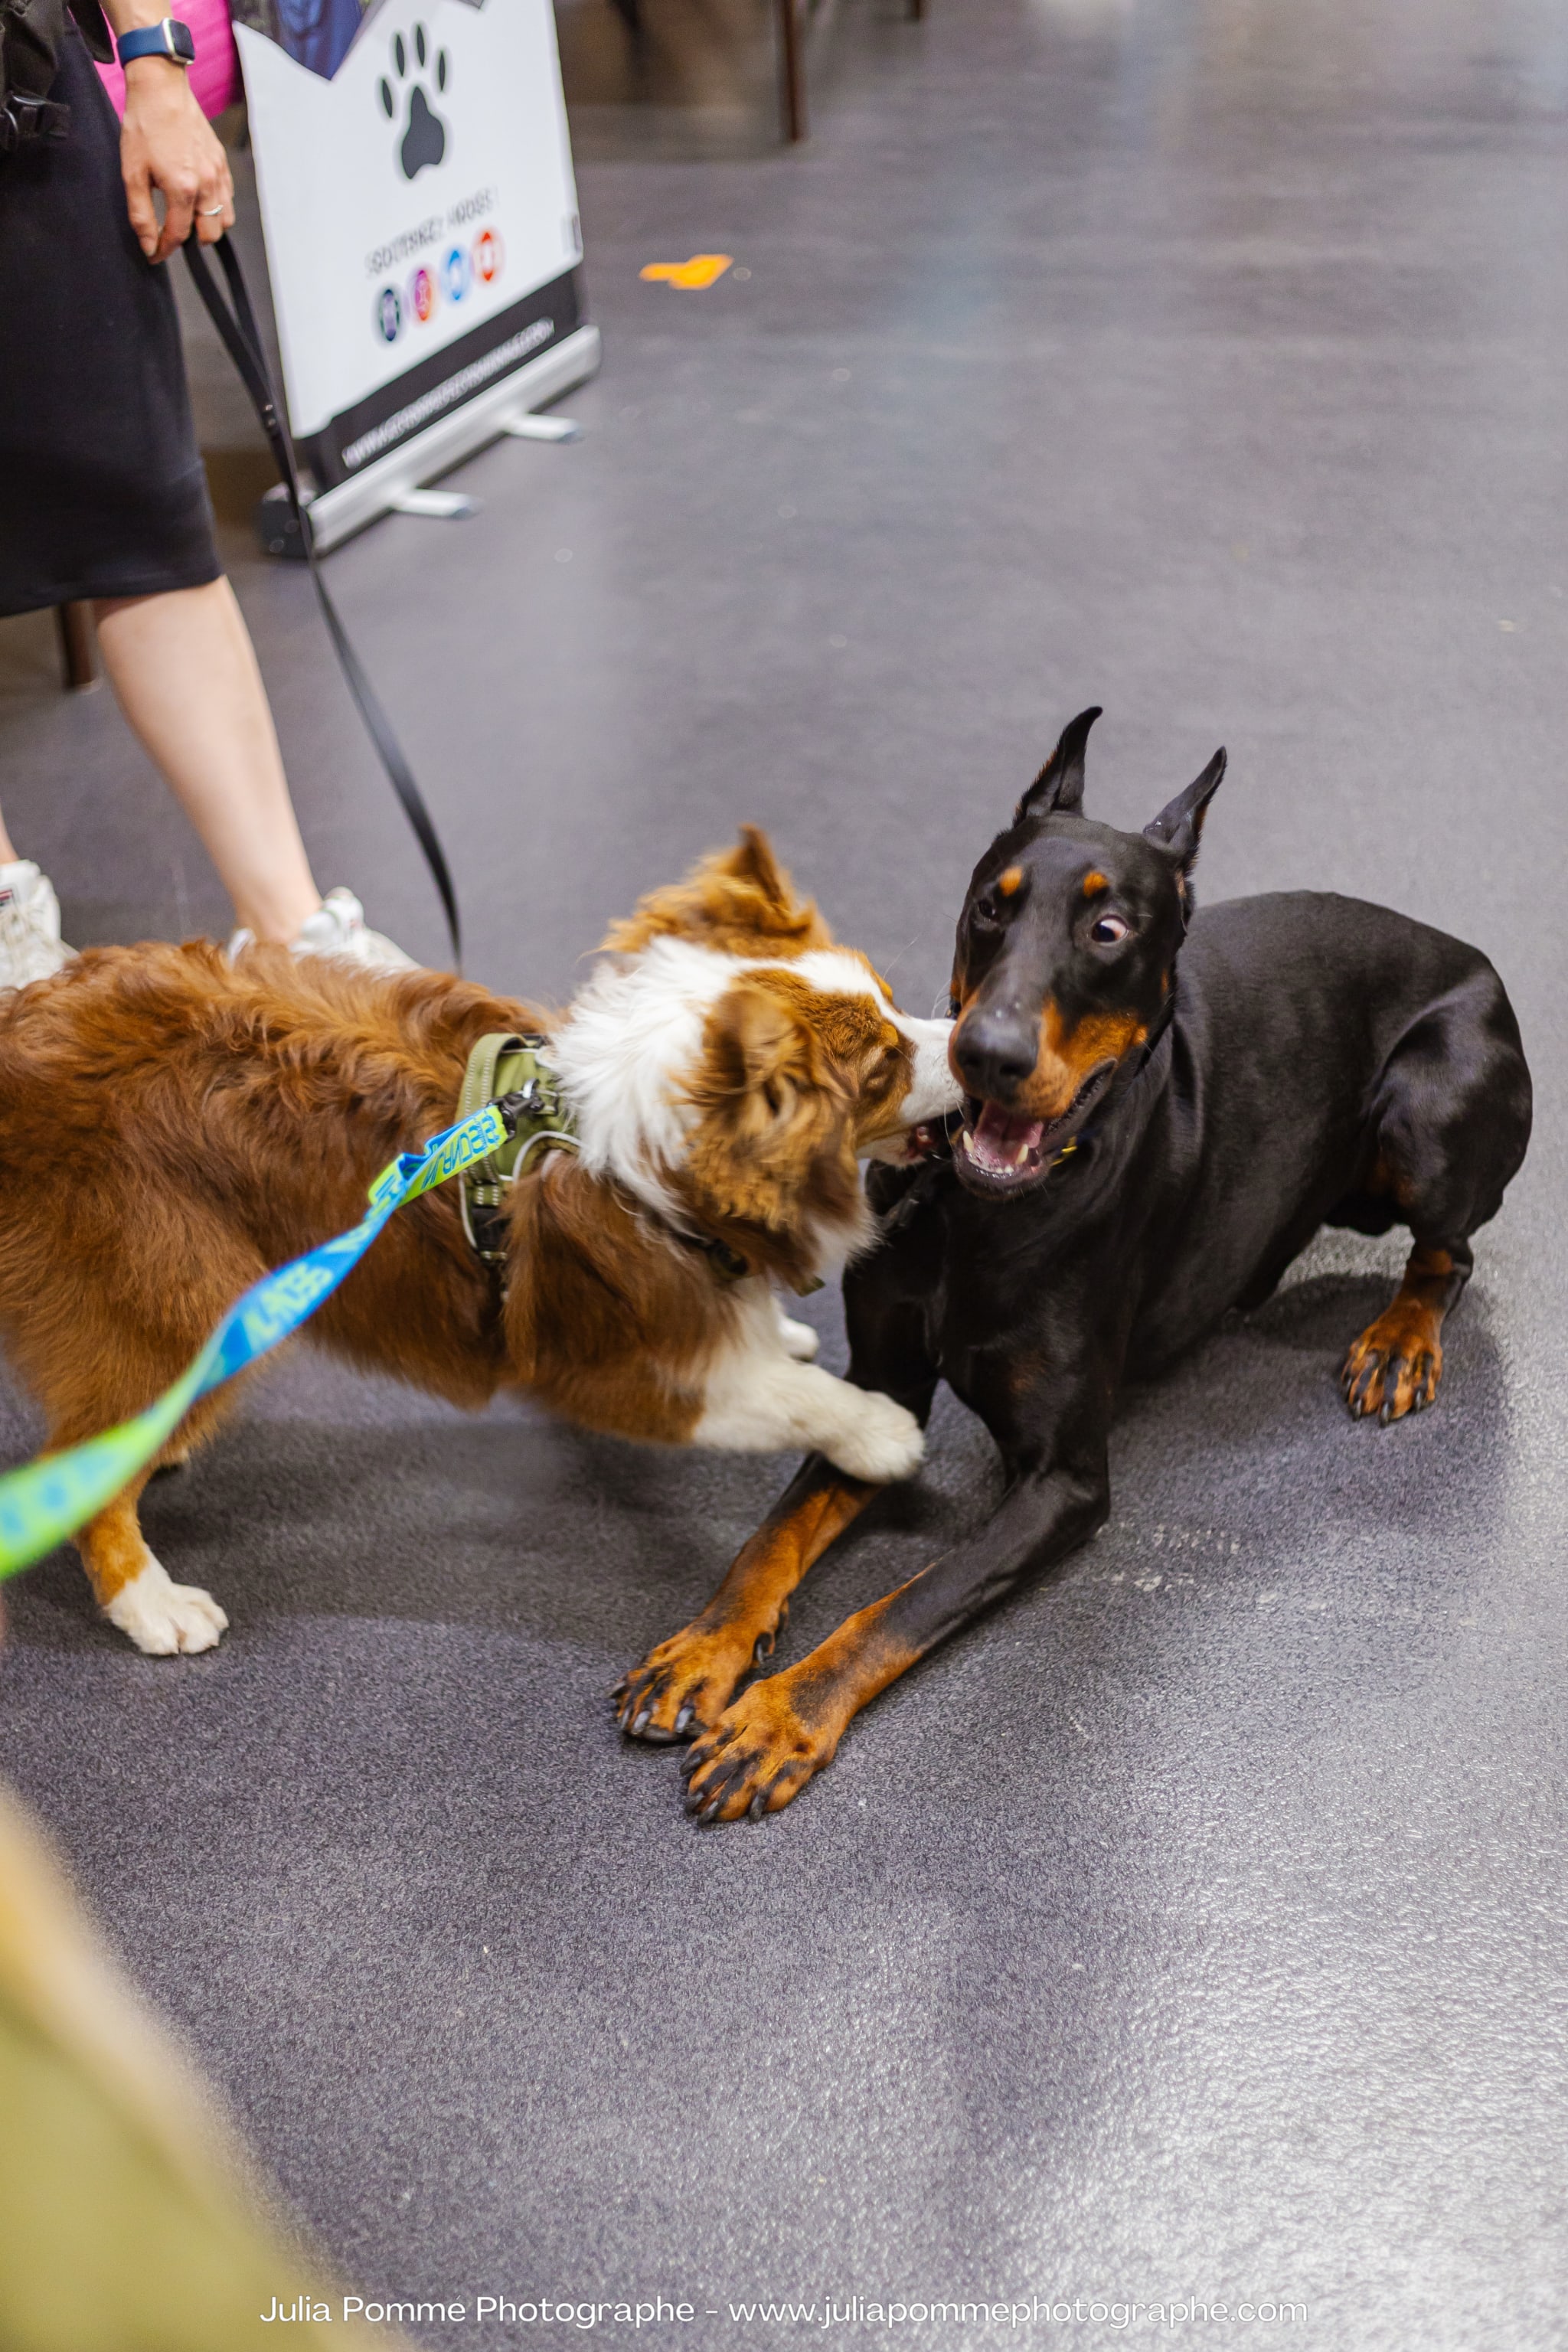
[(440, 506), (529, 427)]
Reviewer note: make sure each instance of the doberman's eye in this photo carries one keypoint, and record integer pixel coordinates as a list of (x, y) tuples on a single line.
[(987, 914), (1109, 930)]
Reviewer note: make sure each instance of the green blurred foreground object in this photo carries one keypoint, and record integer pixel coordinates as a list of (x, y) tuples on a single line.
[(128, 2222)]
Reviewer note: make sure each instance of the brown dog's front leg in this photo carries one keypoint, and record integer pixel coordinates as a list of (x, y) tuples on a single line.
[(135, 1589), (684, 1685)]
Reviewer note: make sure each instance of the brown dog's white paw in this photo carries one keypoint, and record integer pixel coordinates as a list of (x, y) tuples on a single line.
[(874, 1437), (163, 1618)]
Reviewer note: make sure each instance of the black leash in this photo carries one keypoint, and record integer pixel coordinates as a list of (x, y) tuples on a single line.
[(243, 342)]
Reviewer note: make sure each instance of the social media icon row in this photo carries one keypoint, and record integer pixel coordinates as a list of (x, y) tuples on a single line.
[(455, 278)]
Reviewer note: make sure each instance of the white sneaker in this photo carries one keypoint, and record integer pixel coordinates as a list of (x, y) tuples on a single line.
[(30, 943), (338, 928)]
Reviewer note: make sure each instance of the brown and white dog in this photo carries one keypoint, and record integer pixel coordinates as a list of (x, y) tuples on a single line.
[(173, 1125)]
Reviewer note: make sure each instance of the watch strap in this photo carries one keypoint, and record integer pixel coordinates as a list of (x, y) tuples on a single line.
[(169, 39)]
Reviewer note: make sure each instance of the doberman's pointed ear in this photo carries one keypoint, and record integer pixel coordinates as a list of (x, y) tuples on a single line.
[(1180, 823), (1059, 784)]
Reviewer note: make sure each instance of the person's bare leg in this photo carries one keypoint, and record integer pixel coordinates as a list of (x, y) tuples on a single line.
[(184, 673)]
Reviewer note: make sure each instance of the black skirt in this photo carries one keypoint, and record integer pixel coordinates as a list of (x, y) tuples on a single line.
[(101, 487)]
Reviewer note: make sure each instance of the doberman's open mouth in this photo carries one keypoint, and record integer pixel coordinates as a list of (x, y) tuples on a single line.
[(1000, 1150)]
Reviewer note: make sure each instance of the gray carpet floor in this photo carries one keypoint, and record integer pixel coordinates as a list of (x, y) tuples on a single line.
[(1193, 1928)]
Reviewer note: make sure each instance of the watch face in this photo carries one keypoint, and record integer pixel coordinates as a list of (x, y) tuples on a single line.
[(181, 43)]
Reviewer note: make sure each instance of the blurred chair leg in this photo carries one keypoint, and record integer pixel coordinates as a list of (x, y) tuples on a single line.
[(792, 71), (78, 651)]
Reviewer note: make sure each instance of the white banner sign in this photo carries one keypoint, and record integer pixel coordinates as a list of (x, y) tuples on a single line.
[(421, 219)]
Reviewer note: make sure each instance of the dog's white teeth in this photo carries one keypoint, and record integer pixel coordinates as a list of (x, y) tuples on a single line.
[(1021, 1156), (969, 1143)]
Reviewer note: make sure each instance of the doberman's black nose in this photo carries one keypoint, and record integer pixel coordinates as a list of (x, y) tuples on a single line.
[(994, 1053)]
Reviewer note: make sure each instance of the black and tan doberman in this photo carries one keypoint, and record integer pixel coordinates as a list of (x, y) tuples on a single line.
[(1160, 1110)]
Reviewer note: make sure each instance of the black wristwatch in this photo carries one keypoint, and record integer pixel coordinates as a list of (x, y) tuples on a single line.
[(169, 39)]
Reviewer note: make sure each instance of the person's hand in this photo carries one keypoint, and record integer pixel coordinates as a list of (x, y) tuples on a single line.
[(167, 142)]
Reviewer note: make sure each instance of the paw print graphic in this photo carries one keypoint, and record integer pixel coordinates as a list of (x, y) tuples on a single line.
[(424, 137)]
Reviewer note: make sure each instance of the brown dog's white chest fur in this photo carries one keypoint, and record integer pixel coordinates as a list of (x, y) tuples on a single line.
[(731, 1097)]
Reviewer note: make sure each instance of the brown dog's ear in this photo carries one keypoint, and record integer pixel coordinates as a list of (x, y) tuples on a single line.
[(737, 901), (751, 861), (772, 1138), (758, 1055)]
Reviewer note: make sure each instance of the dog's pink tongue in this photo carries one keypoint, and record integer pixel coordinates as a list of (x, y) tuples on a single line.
[(1001, 1140)]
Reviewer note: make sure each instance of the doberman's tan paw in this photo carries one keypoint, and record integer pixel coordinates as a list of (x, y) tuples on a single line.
[(683, 1687), (1394, 1368), (758, 1756)]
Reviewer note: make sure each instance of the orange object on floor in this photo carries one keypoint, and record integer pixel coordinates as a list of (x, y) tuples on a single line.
[(703, 270)]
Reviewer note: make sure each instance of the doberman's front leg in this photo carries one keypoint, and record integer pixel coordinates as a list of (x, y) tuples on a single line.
[(779, 1733), (684, 1684)]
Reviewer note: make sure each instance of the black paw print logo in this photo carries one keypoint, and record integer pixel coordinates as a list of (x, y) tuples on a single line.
[(424, 137)]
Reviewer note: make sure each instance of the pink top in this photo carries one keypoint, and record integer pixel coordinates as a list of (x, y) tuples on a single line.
[(214, 77)]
